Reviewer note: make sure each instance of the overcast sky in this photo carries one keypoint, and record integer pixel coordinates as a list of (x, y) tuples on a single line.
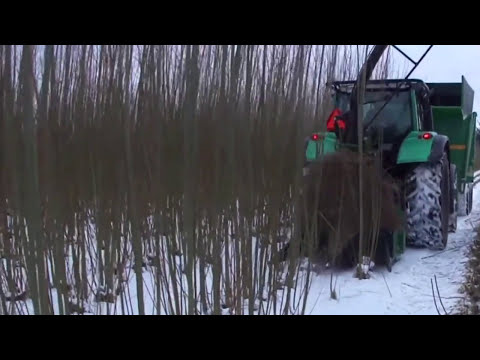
[(447, 63)]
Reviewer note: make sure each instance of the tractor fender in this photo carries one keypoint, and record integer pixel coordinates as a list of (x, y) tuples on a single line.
[(440, 146), (415, 150), (325, 143)]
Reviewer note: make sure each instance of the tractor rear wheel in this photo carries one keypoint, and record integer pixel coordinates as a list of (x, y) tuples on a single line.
[(465, 201), (428, 205), (470, 197), (453, 200)]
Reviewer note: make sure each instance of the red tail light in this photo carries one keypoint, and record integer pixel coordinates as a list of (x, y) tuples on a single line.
[(315, 137), (427, 136)]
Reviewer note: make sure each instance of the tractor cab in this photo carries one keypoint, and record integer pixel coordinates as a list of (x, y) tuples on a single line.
[(391, 110)]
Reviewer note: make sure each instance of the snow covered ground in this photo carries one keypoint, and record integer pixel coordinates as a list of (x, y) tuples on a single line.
[(408, 289), (405, 291)]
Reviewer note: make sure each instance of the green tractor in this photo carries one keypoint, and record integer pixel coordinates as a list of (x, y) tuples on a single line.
[(427, 143)]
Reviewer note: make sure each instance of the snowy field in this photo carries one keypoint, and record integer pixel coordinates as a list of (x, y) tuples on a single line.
[(408, 289)]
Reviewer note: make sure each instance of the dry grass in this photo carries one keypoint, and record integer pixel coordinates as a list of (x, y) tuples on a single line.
[(471, 286)]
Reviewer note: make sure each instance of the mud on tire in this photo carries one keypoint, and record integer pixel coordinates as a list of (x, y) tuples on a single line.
[(428, 205)]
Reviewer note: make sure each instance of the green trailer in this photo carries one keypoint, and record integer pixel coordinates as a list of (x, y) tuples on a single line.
[(428, 145), (452, 107)]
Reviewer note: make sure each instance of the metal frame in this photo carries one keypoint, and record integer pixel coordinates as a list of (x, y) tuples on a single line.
[(396, 84), (365, 75), (367, 71), (416, 63)]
